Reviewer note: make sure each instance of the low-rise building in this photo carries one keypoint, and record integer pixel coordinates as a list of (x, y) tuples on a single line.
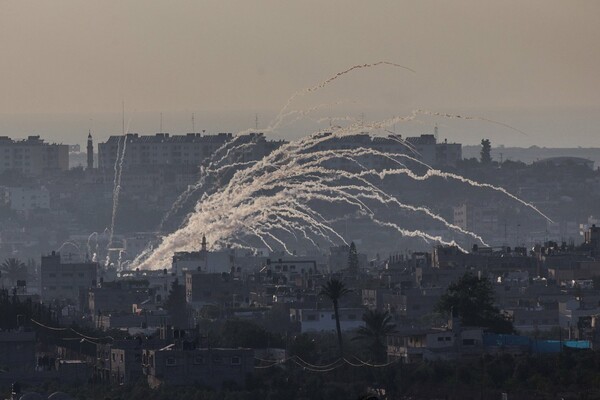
[(454, 342), (207, 367), (323, 320), (216, 289), (67, 281), (17, 351)]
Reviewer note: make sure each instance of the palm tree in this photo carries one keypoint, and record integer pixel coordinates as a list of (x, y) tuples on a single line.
[(378, 324), (334, 289), (13, 269)]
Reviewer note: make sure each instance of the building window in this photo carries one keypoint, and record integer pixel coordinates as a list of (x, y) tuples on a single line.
[(171, 361), (236, 360), (468, 342)]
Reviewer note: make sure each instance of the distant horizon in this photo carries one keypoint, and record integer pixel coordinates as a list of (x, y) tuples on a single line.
[(67, 66), (546, 127)]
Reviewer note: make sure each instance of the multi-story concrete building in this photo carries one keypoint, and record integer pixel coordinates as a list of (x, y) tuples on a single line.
[(482, 219), (32, 156), (216, 288), (125, 359), (424, 148), (160, 149), (207, 367), (25, 198), (117, 296), (436, 154), (67, 281)]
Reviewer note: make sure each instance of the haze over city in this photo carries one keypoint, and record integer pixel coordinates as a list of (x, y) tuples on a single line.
[(391, 200), (67, 66)]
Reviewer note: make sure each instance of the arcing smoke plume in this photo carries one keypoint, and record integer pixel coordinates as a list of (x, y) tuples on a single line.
[(279, 199)]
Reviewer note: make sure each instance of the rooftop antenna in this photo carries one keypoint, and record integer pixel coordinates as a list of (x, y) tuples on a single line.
[(193, 124), (123, 119), (256, 121), (161, 130), (435, 132)]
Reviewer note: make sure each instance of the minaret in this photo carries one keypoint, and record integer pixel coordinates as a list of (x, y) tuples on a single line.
[(203, 243), (90, 152)]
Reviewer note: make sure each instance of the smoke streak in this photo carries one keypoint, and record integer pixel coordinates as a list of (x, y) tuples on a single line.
[(276, 197)]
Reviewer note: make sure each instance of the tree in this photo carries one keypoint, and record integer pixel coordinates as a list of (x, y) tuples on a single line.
[(177, 306), (472, 299), (335, 289), (13, 269), (486, 151), (353, 258), (378, 324)]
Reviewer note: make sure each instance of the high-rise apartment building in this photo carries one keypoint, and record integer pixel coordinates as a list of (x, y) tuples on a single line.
[(32, 156), (160, 149)]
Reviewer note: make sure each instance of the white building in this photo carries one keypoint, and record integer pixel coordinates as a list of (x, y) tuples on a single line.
[(323, 320)]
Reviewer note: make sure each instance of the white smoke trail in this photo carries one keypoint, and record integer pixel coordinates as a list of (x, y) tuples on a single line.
[(93, 234), (275, 184), (282, 112), (214, 168), (274, 196), (437, 173), (117, 189), (468, 117)]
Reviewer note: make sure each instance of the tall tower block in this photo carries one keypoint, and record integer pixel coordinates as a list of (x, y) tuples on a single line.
[(90, 152)]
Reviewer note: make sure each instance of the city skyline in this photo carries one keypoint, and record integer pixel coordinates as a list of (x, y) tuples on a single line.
[(531, 66)]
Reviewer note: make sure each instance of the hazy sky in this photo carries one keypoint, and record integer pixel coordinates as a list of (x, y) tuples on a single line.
[(66, 66)]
